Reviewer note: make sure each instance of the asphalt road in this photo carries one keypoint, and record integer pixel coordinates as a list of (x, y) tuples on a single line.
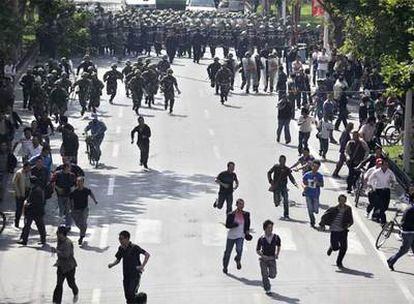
[(168, 211)]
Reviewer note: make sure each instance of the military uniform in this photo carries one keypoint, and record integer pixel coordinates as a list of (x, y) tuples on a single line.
[(136, 85), (168, 83), (95, 93), (111, 78), (84, 85), (223, 81)]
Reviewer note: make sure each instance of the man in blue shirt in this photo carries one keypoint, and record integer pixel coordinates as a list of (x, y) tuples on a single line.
[(46, 158), (312, 183)]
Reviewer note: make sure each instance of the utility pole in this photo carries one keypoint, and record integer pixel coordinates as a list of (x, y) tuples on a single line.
[(284, 11), (408, 130)]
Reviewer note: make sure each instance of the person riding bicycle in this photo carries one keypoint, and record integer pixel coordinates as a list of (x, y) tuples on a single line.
[(98, 129)]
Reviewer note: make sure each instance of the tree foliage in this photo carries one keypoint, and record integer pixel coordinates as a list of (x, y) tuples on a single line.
[(381, 30)]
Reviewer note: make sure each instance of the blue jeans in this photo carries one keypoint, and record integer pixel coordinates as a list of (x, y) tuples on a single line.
[(229, 247), (280, 193), (313, 207), (64, 210), (283, 124), (407, 243)]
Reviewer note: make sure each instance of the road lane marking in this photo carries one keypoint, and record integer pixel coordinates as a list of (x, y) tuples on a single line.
[(96, 296), (214, 234), (111, 185), (206, 114), (118, 130), (121, 112), (361, 224), (115, 150), (216, 152), (286, 237), (103, 241), (211, 132), (355, 245), (148, 231)]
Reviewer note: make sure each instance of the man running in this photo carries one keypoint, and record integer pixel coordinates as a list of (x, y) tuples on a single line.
[(80, 211), (144, 134), (278, 184), (268, 248), (132, 267), (111, 78), (228, 183), (339, 219), (238, 223), (168, 83), (312, 183)]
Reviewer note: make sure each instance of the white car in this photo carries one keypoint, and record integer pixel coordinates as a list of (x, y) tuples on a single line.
[(200, 5), (146, 4), (231, 6)]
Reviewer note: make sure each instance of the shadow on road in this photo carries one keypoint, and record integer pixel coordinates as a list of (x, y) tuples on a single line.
[(245, 281), (282, 298), (355, 272)]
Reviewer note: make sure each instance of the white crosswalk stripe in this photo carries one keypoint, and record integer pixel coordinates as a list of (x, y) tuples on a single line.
[(148, 231), (96, 296)]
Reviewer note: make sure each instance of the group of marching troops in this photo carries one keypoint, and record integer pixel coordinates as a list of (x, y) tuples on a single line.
[(47, 87), (180, 33)]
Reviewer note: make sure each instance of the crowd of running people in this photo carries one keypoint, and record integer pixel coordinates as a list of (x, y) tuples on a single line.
[(320, 91)]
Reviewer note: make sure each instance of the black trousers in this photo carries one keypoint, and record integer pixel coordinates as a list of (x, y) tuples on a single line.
[(352, 177), (28, 220), (197, 53), (382, 197), (26, 97), (339, 241), (19, 209), (130, 287), (144, 148), (70, 277), (372, 201), (341, 118)]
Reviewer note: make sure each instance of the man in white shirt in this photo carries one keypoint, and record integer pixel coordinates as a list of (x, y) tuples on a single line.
[(26, 144), (367, 132), (323, 60), (371, 191), (381, 180)]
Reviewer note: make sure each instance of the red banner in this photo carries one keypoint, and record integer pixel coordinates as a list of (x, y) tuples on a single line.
[(317, 9)]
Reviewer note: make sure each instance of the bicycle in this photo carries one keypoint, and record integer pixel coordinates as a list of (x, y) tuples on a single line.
[(388, 229), (392, 135), (359, 186), (92, 151), (2, 221)]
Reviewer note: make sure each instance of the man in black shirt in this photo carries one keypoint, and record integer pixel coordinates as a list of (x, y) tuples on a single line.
[(144, 134), (34, 210), (228, 183), (79, 206), (268, 248), (278, 184), (132, 267)]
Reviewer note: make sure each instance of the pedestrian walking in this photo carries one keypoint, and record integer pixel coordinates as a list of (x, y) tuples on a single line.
[(34, 210), (21, 185), (343, 141), (382, 180), (312, 184), (305, 127), (407, 227), (132, 267), (372, 199), (278, 184), (238, 223), (228, 182), (284, 115), (144, 134), (66, 266), (339, 219), (268, 248), (325, 128), (80, 207)]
